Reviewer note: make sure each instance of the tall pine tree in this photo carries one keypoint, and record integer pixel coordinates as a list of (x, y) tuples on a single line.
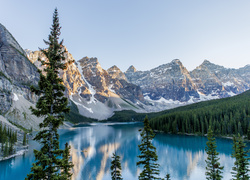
[(241, 164), (51, 105), (213, 168), (67, 165), (148, 155), (116, 167)]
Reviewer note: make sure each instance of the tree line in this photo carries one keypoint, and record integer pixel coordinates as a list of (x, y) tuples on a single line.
[(226, 118), (8, 138)]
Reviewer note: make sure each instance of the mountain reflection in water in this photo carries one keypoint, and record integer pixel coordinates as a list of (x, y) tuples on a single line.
[(92, 147)]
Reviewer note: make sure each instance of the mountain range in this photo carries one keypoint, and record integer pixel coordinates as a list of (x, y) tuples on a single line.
[(97, 92)]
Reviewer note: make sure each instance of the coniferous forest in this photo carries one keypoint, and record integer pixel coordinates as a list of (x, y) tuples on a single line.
[(8, 138), (227, 116)]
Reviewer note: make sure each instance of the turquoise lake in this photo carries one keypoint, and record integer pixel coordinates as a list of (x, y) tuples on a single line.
[(92, 147)]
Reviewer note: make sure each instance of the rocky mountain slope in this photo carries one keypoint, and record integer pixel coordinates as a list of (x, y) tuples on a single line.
[(95, 91), (172, 83), (218, 81), (17, 73)]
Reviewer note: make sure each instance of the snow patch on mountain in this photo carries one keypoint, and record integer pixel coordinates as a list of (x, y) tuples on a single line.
[(91, 89), (231, 93), (80, 104), (15, 97), (211, 96), (228, 83)]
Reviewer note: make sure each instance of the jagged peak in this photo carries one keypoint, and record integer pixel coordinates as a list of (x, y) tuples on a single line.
[(206, 62), (91, 63), (131, 69), (211, 65), (113, 68), (86, 58), (7, 37), (175, 61)]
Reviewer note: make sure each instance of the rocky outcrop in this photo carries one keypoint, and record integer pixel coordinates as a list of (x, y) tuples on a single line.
[(116, 73), (170, 81), (97, 77), (220, 82), (17, 73), (13, 61), (5, 94), (71, 76), (105, 83)]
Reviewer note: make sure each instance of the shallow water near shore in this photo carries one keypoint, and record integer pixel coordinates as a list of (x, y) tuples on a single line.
[(92, 147)]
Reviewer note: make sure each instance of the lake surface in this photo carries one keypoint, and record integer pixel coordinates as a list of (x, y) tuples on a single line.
[(92, 147)]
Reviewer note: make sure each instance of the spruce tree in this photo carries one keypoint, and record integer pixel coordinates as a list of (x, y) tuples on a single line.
[(11, 149), (148, 155), (51, 105), (1, 132), (248, 132), (6, 150), (213, 168), (241, 164), (116, 167), (67, 165), (24, 139), (2, 147), (167, 177)]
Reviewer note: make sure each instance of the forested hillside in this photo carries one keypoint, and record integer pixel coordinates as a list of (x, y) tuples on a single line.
[(226, 116)]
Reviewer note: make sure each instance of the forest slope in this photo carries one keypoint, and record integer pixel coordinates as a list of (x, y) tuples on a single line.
[(226, 116)]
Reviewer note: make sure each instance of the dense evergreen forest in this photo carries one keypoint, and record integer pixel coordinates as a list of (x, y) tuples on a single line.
[(226, 116), (7, 139)]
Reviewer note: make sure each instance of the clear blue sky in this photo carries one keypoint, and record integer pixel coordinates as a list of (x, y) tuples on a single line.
[(143, 33)]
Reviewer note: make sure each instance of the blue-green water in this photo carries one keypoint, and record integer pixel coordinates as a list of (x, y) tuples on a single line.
[(92, 147)]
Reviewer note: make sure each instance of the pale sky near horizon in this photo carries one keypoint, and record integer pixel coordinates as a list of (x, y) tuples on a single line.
[(143, 33)]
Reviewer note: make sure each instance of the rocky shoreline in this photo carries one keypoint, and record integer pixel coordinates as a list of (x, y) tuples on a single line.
[(18, 153), (19, 148)]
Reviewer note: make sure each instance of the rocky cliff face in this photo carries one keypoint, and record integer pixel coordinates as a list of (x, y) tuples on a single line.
[(13, 61), (105, 83), (116, 73), (71, 76), (170, 81), (17, 73), (220, 82)]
